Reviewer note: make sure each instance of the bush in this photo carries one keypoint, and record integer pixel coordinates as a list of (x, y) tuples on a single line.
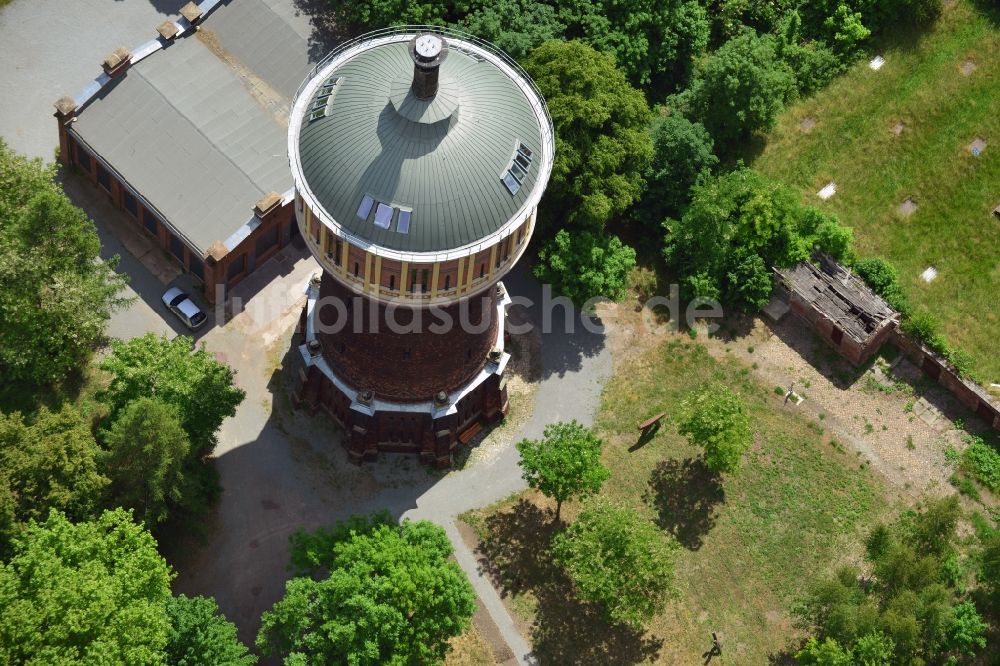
[(741, 88), (883, 278), (682, 158), (982, 461), (584, 265)]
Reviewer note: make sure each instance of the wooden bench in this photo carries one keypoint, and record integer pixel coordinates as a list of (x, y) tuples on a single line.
[(651, 422)]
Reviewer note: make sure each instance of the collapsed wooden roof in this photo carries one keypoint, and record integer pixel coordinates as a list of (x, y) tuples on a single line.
[(839, 295)]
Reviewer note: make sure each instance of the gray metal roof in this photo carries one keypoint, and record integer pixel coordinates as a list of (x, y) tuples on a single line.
[(196, 129), (442, 159)]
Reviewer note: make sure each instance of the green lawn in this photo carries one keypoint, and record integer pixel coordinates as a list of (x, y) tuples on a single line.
[(750, 540), (922, 86)]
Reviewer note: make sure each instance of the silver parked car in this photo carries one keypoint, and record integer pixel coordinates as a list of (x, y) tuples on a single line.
[(181, 305)]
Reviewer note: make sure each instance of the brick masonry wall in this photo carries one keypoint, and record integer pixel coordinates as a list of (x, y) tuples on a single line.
[(404, 366)]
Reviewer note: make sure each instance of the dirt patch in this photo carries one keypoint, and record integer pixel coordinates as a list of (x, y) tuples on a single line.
[(870, 410), (907, 208)]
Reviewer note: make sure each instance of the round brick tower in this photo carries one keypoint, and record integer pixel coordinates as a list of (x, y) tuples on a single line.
[(419, 156)]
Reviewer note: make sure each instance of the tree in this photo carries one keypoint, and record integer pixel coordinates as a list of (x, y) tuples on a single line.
[(147, 451), (602, 140), (738, 226), (565, 463), (682, 158), (618, 559), (199, 635), (654, 42), (85, 593), (56, 295), (910, 610), (741, 88), (584, 265), (715, 418), (391, 596), (516, 27), (201, 388), (49, 462)]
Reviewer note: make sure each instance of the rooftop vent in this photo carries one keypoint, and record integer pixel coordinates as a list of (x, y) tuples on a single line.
[(428, 52)]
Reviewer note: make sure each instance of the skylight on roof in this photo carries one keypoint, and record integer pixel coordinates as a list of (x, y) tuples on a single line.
[(403, 222), (323, 100), (383, 216), (517, 170), (365, 207), (512, 185)]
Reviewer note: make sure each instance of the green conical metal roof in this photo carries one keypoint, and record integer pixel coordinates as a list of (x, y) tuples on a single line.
[(363, 133)]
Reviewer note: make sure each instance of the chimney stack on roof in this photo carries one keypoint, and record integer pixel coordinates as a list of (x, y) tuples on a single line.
[(428, 52)]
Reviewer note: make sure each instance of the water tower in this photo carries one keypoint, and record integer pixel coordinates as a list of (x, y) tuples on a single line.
[(419, 157)]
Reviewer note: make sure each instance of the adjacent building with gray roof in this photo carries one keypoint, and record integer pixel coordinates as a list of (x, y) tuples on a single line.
[(187, 133)]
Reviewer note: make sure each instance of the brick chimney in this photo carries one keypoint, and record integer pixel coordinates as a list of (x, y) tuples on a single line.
[(428, 52)]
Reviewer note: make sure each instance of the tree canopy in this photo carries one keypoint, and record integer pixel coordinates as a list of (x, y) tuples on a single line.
[(716, 419), (50, 461), (602, 141), (741, 88), (584, 265), (85, 593), (565, 463), (199, 635), (654, 43), (146, 453), (201, 388), (738, 226), (682, 158), (56, 296), (619, 559), (910, 611), (378, 594)]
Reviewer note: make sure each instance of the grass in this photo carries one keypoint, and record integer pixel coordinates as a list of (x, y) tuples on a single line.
[(470, 649), (750, 540), (943, 112)]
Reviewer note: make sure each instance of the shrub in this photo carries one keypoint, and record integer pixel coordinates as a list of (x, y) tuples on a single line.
[(584, 265), (883, 278), (682, 158), (982, 461)]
